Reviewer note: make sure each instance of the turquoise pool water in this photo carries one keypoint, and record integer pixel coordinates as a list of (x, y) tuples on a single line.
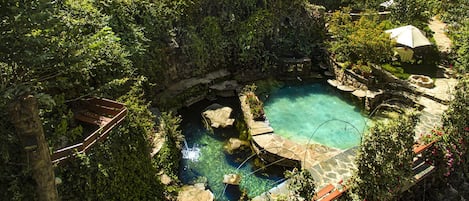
[(214, 163), (315, 113)]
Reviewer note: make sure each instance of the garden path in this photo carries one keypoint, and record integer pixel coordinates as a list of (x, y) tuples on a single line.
[(442, 41), (435, 102)]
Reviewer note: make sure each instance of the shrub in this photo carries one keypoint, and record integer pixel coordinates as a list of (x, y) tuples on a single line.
[(301, 184), (256, 105), (384, 159), (363, 40), (450, 150), (461, 47)]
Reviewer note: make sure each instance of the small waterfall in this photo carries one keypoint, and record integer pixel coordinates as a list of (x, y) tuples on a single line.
[(185, 144), (190, 153)]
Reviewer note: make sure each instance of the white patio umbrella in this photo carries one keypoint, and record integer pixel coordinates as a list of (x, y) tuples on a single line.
[(409, 36)]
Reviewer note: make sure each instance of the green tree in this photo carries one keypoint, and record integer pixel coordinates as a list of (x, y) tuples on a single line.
[(63, 51), (361, 41), (301, 185), (453, 10), (460, 38), (121, 167), (414, 12), (384, 160), (255, 40)]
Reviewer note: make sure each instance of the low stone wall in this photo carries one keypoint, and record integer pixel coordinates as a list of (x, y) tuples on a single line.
[(349, 78), (375, 90)]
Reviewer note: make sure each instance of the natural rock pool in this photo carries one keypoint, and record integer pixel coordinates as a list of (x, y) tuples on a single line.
[(213, 161), (295, 112), (315, 113)]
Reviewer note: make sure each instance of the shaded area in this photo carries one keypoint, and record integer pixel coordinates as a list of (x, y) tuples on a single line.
[(214, 162)]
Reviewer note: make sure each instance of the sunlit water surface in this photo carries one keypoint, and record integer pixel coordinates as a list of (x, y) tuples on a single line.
[(315, 113)]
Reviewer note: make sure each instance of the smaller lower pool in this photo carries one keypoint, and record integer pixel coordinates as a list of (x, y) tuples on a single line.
[(213, 161), (315, 113)]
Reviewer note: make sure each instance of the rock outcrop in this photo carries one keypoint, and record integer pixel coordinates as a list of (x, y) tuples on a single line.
[(218, 116), (235, 144), (195, 192)]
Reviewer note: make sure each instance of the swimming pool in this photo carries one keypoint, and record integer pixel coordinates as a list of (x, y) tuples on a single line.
[(315, 113)]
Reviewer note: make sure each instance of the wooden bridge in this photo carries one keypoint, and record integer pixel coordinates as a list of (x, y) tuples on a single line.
[(102, 115)]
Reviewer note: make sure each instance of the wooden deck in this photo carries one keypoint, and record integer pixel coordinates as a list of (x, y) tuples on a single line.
[(329, 193), (103, 114)]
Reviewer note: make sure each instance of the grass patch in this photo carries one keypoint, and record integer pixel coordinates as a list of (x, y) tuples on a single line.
[(396, 71)]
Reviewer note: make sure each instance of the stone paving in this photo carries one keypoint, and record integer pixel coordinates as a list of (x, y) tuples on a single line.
[(430, 116), (331, 171), (337, 168)]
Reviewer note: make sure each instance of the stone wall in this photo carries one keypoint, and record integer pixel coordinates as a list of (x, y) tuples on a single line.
[(349, 78), (188, 88), (380, 88)]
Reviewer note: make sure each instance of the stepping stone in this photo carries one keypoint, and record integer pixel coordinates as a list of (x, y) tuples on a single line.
[(359, 93), (333, 83), (346, 88)]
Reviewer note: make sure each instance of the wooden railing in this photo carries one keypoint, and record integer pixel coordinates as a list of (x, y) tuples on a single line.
[(330, 192), (105, 114)]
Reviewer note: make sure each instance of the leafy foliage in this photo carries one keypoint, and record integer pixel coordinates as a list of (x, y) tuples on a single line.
[(120, 167), (451, 151), (66, 50), (301, 185), (254, 39), (168, 157), (414, 12), (461, 47), (384, 160), (396, 71), (256, 105), (361, 41), (453, 10)]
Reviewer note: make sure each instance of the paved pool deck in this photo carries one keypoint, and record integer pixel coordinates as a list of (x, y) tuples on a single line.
[(339, 166)]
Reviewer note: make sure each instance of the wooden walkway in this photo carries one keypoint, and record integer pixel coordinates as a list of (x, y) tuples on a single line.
[(101, 114)]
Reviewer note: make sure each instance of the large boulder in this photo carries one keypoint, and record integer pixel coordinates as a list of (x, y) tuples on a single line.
[(232, 179), (195, 192), (234, 144), (218, 116)]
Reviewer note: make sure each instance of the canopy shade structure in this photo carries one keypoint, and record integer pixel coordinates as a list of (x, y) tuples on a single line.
[(387, 4), (409, 36)]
